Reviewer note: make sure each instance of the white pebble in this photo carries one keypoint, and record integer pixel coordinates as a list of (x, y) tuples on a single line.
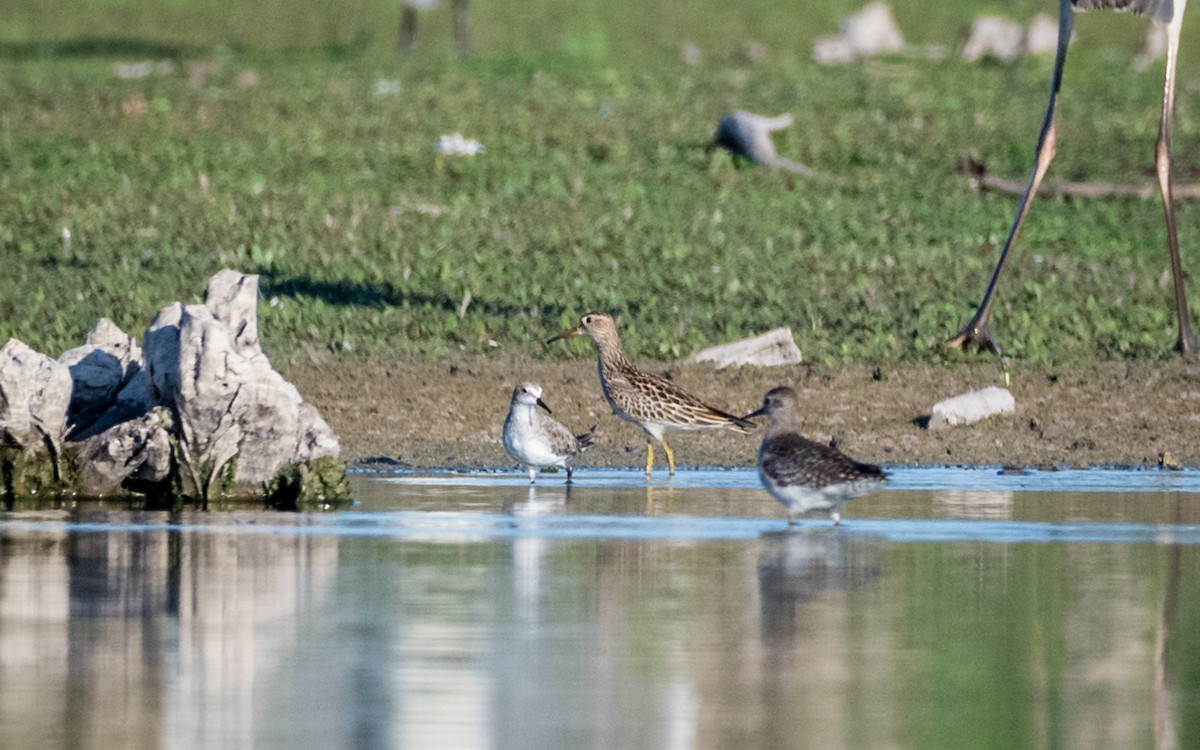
[(972, 406)]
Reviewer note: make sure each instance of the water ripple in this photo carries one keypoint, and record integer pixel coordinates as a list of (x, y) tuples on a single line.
[(902, 478), (460, 526)]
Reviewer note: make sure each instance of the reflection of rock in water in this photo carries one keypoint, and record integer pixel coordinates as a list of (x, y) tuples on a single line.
[(978, 504), (127, 637), (800, 566)]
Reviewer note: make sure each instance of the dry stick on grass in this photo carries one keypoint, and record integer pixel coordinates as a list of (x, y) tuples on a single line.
[(985, 183)]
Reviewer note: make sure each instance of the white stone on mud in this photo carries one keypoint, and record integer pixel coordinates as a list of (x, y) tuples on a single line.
[(1041, 38), (873, 30), (870, 31), (833, 50), (993, 36), (771, 349), (971, 406)]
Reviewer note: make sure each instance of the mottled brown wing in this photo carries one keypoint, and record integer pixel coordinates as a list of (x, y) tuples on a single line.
[(562, 441), (653, 398), (792, 459)]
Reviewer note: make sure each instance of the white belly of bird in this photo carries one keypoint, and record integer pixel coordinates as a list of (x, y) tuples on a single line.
[(797, 498), (529, 446), (800, 499)]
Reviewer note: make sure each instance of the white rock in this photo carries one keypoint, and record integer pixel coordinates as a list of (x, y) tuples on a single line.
[(971, 406), (1155, 48), (133, 453), (1041, 38), (202, 385), (35, 392), (103, 372), (873, 30), (993, 36), (456, 145), (386, 87), (205, 364), (833, 50), (870, 31), (773, 348), (145, 69)]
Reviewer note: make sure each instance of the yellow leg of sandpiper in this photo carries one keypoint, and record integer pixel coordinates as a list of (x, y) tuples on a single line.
[(670, 458), (649, 457)]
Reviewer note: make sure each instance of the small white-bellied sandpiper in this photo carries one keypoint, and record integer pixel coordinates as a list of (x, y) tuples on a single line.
[(804, 475), (650, 401), (536, 440)]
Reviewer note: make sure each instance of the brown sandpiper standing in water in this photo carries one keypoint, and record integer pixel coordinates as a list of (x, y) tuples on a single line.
[(648, 400), (804, 475), (536, 440)]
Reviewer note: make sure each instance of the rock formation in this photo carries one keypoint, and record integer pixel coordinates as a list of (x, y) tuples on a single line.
[(197, 412)]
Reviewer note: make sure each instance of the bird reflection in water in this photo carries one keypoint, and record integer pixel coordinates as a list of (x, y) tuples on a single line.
[(800, 568)]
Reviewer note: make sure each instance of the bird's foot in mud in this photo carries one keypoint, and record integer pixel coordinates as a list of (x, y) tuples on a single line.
[(1185, 346), (975, 337)]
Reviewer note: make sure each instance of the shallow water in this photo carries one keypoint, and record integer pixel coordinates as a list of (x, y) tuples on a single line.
[(960, 608)]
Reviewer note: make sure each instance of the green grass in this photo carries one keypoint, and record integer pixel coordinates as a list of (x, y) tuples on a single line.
[(595, 190)]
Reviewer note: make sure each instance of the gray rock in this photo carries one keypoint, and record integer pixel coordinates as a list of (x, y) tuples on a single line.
[(35, 393), (133, 454), (205, 365), (971, 406), (103, 372), (771, 349), (873, 30), (870, 31), (233, 299), (1041, 38), (198, 407), (834, 50), (993, 36), (161, 346)]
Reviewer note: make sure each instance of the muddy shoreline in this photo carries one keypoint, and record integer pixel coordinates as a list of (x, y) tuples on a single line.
[(447, 413)]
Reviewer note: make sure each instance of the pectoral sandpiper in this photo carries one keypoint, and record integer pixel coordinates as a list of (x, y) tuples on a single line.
[(536, 440), (804, 475), (645, 399)]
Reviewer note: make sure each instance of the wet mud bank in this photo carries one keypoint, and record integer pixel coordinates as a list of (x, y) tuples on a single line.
[(447, 413)]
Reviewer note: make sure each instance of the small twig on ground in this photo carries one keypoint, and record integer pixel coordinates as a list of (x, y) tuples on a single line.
[(983, 182)]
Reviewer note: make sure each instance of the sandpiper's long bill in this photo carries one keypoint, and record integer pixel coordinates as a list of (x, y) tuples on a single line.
[(804, 475), (650, 401), (536, 440)]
